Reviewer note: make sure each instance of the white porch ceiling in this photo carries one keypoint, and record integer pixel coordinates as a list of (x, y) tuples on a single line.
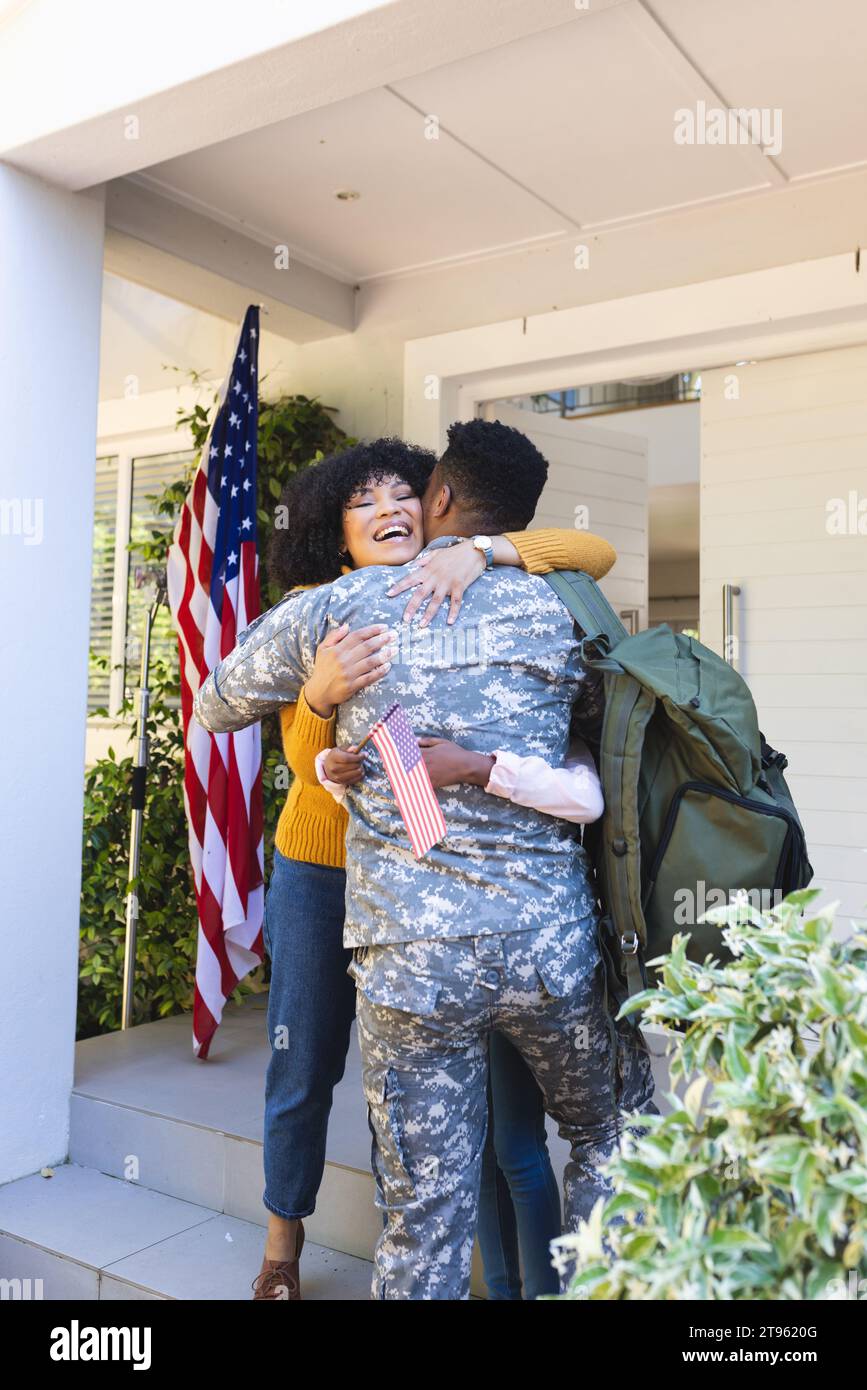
[(554, 135)]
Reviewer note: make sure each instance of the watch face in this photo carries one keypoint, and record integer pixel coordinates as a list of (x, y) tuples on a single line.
[(482, 542)]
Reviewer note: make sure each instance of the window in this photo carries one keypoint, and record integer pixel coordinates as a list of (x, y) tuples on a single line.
[(149, 476), (102, 583), (125, 517)]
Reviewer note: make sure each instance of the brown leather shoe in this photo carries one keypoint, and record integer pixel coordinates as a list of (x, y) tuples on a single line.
[(280, 1279)]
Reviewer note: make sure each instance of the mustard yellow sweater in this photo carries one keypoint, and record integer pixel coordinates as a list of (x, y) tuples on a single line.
[(312, 826)]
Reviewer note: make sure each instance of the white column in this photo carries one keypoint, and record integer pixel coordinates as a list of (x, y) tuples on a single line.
[(50, 300)]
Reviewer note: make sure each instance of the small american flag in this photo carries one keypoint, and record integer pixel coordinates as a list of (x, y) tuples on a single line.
[(405, 766), (213, 588)]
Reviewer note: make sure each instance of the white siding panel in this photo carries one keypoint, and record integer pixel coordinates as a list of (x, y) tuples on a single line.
[(805, 523), (843, 623), (604, 471), (839, 830), (801, 726), (820, 792), (847, 657), (840, 864), (771, 461), (845, 555), (793, 459), (826, 690), (827, 759)]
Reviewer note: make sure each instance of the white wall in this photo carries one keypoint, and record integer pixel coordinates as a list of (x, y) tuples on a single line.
[(772, 461), (50, 282), (146, 335)]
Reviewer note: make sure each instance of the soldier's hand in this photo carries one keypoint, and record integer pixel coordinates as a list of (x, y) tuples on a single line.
[(345, 663), (448, 764), (344, 766)]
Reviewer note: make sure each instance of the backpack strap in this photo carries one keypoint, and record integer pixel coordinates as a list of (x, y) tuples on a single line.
[(603, 629), (627, 711), (589, 607)]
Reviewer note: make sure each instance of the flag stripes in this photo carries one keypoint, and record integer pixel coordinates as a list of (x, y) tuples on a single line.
[(408, 775), (213, 585)]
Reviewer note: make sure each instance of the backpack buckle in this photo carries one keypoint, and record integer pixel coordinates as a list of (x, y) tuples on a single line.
[(629, 944)]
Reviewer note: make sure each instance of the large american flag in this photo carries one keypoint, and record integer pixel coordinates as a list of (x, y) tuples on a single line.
[(213, 588), (408, 775)]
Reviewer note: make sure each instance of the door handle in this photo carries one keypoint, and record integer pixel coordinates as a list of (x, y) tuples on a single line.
[(729, 591)]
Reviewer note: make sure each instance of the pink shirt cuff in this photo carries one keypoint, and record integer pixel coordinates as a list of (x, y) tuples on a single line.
[(338, 792)]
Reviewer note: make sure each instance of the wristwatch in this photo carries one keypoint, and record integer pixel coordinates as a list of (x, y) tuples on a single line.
[(485, 545)]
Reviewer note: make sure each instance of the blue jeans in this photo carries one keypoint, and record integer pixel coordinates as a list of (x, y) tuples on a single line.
[(310, 1011), (519, 1201)]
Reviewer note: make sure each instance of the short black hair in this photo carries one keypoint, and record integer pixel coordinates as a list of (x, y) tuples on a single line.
[(496, 474), (307, 550)]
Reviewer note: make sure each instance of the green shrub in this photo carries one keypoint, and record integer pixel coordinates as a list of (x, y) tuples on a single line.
[(293, 433), (754, 1187)]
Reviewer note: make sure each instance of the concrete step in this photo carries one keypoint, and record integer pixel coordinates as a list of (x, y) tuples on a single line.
[(84, 1235), (146, 1110)]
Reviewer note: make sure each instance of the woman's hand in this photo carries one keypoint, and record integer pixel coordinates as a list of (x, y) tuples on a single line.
[(446, 572), (345, 663), (343, 765), (448, 764)]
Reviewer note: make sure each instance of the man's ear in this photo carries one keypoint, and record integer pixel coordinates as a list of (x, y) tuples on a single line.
[(442, 501)]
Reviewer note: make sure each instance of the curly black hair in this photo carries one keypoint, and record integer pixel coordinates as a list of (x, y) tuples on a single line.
[(495, 472), (306, 548)]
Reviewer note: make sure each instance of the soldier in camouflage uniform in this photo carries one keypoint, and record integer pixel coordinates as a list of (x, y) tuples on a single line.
[(495, 928)]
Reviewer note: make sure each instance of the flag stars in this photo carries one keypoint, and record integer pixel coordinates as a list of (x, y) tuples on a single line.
[(227, 452), (213, 451), (234, 492), (246, 484), (246, 524), (237, 388), (234, 419), (231, 558)]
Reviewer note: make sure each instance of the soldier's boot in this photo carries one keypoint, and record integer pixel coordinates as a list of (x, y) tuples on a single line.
[(280, 1279)]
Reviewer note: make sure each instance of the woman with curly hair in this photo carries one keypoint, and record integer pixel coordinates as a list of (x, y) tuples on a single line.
[(358, 508)]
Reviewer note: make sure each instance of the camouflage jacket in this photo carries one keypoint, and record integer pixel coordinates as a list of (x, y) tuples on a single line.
[(505, 675)]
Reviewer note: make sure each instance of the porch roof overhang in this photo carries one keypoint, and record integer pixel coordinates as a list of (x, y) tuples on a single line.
[(201, 72)]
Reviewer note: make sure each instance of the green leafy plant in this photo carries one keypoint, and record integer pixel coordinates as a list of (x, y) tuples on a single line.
[(294, 432), (755, 1185)]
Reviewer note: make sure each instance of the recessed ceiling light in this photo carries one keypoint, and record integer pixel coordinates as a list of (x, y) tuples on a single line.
[(347, 195)]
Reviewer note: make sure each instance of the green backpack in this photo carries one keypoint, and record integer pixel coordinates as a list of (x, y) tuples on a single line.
[(696, 804)]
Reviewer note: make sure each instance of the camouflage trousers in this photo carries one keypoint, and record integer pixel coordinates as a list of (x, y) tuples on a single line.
[(425, 1011)]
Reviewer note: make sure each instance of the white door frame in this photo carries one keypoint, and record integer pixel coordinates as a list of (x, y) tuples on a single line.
[(779, 312)]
